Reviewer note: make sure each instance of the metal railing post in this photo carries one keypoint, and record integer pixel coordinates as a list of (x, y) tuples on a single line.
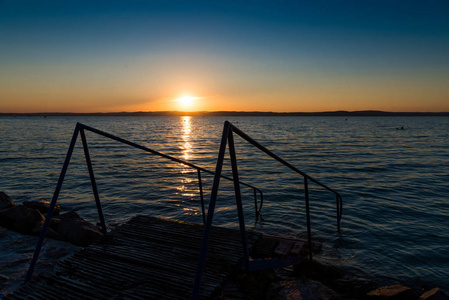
[(227, 137), (341, 211), (154, 152), (210, 213), (261, 202), (52, 204), (338, 213), (203, 212), (309, 231), (274, 156), (238, 199), (255, 204), (92, 181)]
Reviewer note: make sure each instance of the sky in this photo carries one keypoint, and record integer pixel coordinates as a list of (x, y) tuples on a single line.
[(281, 56)]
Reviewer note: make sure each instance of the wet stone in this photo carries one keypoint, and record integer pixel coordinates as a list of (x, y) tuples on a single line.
[(42, 206), (5, 201), (304, 290), (77, 231), (393, 292), (20, 218), (3, 280), (434, 294)]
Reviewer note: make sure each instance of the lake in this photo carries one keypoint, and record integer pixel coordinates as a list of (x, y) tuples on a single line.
[(392, 172)]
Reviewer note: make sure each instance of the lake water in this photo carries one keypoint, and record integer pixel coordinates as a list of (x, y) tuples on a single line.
[(394, 182)]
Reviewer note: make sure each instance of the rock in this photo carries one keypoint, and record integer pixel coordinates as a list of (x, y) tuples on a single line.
[(353, 286), (3, 280), (5, 201), (255, 285), (69, 226), (304, 290), (393, 292), (434, 294), (42, 206), (76, 230), (283, 249), (316, 290), (70, 214), (20, 218), (54, 223), (51, 233), (298, 248)]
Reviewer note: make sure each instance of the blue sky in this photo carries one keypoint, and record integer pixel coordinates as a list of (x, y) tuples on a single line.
[(257, 55)]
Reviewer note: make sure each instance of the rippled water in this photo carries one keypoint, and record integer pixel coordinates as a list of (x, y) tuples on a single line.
[(394, 183)]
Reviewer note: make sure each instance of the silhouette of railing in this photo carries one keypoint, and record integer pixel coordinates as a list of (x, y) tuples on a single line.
[(80, 129), (227, 138)]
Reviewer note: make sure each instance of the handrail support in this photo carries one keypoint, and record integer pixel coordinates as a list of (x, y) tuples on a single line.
[(52, 204), (309, 231), (93, 182), (200, 184), (238, 199)]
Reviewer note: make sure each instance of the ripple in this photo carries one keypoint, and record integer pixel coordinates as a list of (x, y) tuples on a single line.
[(393, 183)]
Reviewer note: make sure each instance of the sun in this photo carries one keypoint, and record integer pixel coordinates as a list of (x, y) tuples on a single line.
[(186, 101)]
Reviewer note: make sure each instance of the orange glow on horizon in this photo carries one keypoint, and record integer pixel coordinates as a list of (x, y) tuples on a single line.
[(186, 103)]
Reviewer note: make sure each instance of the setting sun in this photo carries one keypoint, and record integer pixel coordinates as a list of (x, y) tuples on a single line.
[(186, 102)]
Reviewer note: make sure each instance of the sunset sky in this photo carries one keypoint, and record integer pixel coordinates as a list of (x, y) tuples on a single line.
[(282, 56)]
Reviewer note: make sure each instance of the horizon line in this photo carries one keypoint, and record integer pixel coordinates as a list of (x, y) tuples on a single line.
[(233, 113)]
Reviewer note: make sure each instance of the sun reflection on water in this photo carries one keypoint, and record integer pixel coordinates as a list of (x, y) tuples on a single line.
[(186, 180), (186, 130)]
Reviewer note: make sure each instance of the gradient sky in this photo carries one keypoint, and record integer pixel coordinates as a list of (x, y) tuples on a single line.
[(284, 56)]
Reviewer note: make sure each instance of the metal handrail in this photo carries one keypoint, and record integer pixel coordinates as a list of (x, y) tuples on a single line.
[(108, 135), (285, 163), (80, 129), (227, 138)]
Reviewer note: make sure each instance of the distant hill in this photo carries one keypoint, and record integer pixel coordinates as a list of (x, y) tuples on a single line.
[(341, 113)]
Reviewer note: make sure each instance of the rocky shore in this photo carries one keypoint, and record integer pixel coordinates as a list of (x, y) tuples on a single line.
[(28, 218), (68, 231), (309, 280), (315, 281)]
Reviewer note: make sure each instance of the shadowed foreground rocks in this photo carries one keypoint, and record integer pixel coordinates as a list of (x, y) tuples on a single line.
[(307, 281), (396, 292), (28, 218), (5, 201), (74, 229), (317, 281), (434, 294)]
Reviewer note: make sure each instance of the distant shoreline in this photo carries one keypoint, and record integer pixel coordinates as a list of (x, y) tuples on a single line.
[(366, 113)]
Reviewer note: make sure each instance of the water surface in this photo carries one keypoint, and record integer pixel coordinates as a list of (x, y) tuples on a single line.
[(394, 182)]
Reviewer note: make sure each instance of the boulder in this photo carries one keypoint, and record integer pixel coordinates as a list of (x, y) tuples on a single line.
[(42, 206), (393, 292), (76, 230), (3, 282), (298, 248), (283, 249), (5, 201), (70, 214), (51, 233), (304, 290), (20, 218), (434, 294), (54, 223)]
